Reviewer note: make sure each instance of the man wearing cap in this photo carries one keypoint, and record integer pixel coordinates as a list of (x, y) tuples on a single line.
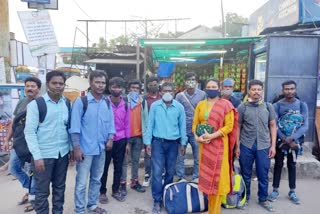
[(227, 90)]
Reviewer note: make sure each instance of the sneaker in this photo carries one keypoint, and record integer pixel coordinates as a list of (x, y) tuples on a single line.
[(137, 187), (273, 196), (123, 189), (267, 205), (118, 196), (156, 208), (103, 199), (146, 181), (293, 197), (98, 210)]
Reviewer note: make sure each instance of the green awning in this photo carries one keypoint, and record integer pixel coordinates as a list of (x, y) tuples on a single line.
[(179, 50)]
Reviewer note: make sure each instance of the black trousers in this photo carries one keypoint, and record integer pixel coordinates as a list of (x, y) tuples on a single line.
[(117, 154), (56, 173), (291, 164)]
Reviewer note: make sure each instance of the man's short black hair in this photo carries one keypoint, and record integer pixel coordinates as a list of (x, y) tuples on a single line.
[(189, 75), (152, 79), (255, 82), (55, 73), (168, 84), (97, 73), (33, 79), (289, 82), (134, 82), (214, 80), (116, 81)]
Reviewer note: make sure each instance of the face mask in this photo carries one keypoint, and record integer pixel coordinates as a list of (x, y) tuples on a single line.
[(191, 84), (226, 92), (212, 93), (255, 103), (134, 95), (167, 97), (154, 89), (115, 93)]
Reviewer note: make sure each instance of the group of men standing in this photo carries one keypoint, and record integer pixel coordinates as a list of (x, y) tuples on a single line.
[(102, 128)]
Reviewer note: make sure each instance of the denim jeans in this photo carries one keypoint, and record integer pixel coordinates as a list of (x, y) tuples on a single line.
[(180, 161), (135, 152), (18, 171), (164, 155), (55, 172), (117, 154), (278, 165), (90, 167), (262, 160), (147, 164)]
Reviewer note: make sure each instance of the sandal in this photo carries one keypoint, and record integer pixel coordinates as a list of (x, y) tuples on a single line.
[(24, 199), (267, 205), (29, 207)]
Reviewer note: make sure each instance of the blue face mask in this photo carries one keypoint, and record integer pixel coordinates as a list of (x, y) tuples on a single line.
[(212, 93), (133, 99)]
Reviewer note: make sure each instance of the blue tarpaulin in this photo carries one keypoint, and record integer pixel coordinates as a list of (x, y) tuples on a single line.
[(165, 69)]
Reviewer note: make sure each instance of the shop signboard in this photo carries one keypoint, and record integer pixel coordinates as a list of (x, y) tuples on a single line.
[(280, 13), (39, 32), (37, 1), (52, 5), (274, 13), (310, 11)]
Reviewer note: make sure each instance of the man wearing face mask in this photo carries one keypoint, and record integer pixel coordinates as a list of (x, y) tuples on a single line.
[(189, 98), (121, 112), (152, 96), (166, 133), (139, 119), (227, 90)]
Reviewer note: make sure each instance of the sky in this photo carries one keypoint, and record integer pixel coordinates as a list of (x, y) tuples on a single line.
[(200, 12)]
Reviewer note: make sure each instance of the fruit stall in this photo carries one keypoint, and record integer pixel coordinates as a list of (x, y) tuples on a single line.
[(219, 58)]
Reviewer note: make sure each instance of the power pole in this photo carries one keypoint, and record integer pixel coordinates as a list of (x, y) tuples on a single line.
[(223, 25), (5, 36)]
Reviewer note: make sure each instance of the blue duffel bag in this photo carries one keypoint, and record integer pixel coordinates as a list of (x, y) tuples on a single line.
[(184, 197)]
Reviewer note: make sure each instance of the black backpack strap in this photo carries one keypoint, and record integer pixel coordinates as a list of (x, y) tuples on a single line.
[(42, 107), (107, 101), (143, 102), (68, 104), (84, 100), (125, 99)]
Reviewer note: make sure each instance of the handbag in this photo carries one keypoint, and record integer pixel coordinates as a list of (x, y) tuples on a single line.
[(201, 127)]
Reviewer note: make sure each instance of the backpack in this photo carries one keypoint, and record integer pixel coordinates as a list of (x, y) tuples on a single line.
[(268, 105), (237, 198), (84, 101), (184, 197), (19, 142), (289, 122)]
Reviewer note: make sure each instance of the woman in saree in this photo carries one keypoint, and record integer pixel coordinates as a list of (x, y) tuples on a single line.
[(216, 148)]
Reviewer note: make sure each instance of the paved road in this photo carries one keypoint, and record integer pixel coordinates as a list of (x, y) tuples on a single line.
[(140, 203)]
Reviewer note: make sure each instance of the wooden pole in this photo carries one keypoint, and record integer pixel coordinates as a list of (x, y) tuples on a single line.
[(5, 36), (145, 69), (138, 59), (87, 33)]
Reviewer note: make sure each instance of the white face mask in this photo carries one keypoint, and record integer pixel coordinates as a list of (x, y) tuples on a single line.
[(226, 92), (167, 97), (191, 84)]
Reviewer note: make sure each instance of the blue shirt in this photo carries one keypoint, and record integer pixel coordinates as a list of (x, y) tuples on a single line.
[(94, 127), (190, 105), (167, 122), (49, 138)]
